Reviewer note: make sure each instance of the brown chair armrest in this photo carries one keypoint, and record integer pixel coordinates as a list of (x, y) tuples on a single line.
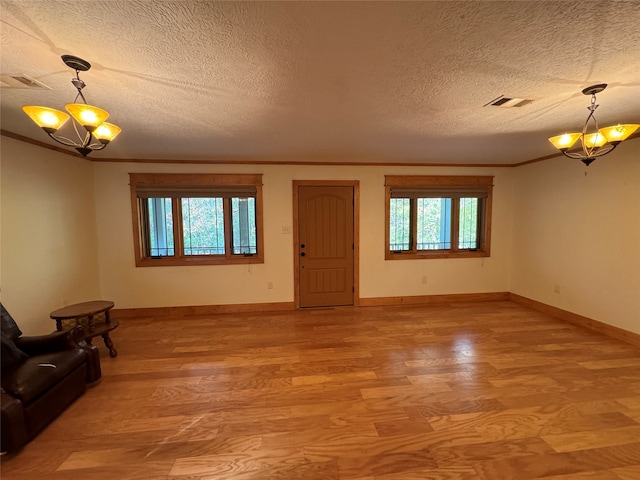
[(53, 342)]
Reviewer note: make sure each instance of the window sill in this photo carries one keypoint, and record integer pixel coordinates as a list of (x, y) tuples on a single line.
[(195, 261), (438, 254)]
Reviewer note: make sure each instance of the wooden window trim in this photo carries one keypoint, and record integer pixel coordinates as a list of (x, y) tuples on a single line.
[(169, 180), (447, 182)]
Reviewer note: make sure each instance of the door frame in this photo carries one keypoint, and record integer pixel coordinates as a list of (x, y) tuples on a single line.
[(356, 233)]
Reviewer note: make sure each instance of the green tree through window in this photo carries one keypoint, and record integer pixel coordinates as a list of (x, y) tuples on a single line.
[(436, 217), (219, 220)]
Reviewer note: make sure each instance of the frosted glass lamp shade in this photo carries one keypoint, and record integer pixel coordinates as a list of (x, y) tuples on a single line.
[(618, 133), (565, 141), (594, 140), (49, 119), (106, 132), (88, 116)]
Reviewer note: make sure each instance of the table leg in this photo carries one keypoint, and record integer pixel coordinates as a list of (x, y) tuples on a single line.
[(109, 344)]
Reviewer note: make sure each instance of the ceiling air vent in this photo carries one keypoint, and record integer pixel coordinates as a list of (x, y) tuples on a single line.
[(508, 102), (21, 80)]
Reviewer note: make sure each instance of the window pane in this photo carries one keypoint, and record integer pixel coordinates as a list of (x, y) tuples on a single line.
[(468, 234), (203, 226), (160, 227), (399, 223), (243, 218), (434, 223)]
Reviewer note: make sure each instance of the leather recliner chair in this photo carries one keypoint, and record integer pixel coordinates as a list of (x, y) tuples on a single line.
[(41, 376)]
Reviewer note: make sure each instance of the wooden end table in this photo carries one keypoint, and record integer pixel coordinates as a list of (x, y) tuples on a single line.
[(83, 314)]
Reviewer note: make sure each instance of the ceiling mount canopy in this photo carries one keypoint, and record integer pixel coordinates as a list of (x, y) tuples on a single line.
[(97, 132), (598, 143)]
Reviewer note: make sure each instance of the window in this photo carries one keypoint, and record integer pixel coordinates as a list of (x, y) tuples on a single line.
[(196, 219), (437, 216)]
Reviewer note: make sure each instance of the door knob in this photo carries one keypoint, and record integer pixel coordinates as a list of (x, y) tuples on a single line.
[(302, 254)]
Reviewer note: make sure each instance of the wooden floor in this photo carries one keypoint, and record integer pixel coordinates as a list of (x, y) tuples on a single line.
[(470, 391)]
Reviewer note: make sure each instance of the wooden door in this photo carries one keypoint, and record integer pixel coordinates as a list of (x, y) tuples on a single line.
[(325, 245)]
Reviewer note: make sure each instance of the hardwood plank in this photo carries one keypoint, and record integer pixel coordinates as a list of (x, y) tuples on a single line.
[(103, 458), (402, 427), (335, 377), (612, 363), (349, 413), (568, 442), (156, 470), (261, 427), (376, 465), (349, 446), (631, 472), (582, 461), (440, 473), (354, 433), (419, 392), (299, 471), (568, 395), (592, 475), (229, 465), (465, 455), (538, 421), (443, 408)]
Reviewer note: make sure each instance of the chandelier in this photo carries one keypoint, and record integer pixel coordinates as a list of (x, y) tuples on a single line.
[(91, 130), (598, 143)]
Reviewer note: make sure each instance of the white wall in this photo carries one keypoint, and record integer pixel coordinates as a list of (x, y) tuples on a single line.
[(49, 254), (133, 287), (581, 233)]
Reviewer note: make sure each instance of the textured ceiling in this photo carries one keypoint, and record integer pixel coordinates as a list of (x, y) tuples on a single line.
[(327, 81)]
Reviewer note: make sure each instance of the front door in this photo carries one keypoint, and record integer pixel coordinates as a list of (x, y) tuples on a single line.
[(325, 245)]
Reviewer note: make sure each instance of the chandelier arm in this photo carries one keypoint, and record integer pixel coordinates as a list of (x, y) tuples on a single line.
[(594, 153), (79, 84), (589, 152), (604, 150), (576, 156), (84, 100), (64, 140), (591, 115), (79, 94), (87, 136), (70, 143), (96, 146)]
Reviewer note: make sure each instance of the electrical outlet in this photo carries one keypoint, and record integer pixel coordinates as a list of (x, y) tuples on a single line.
[(269, 285), (286, 230), (424, 279), (556, 288)]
